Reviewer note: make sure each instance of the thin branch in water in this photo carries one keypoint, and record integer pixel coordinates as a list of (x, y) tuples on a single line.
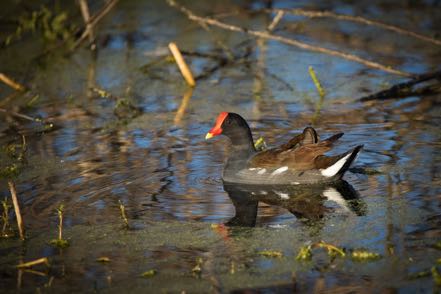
[(358, 19), (86, 17), (20, 223), (19, 115), (94, 21), (276, 20), (11, 83), (284, 40)]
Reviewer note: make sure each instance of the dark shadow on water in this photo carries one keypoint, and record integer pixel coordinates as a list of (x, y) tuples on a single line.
[(305, 202)]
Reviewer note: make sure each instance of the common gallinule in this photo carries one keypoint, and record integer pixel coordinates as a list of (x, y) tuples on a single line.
[(300, 161)]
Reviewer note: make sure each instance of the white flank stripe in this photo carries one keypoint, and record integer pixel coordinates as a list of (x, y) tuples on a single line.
[(279, 170), (335, 168), (282, 195), (262, 171)]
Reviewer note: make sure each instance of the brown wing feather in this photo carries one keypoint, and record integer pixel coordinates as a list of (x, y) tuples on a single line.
[(299, 153)]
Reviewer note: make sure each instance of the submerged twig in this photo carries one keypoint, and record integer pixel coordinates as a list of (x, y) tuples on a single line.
[(404, 89), (184, 103), (284, 40), (11, 83), (32, 263), (183, 67), (20, 223)]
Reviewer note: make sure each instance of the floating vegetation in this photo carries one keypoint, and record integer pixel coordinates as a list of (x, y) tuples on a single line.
[(149, 273), (437, 245), (364, 255), (420, 274), (333, 250), (122, 210), (102, 93), (124, 109), (305, 253), (103, 259), (271, 253), (60, 242)]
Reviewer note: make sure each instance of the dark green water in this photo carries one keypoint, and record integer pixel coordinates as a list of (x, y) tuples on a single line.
[(157, 163)]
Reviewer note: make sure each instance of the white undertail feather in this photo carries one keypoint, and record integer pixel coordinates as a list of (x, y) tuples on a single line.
[(333, 195), (335, 168)]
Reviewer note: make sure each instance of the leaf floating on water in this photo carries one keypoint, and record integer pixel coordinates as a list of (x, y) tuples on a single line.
[(60, 243), (418, 275), (103, 259), (149, 273), (271, 253), (364, 255), (305, 253), (332, 249)]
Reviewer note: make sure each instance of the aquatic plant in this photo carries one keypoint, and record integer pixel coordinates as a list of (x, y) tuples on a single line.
[(122, 210), (51, 25), (60, 242), (6, 228), (12, 162)]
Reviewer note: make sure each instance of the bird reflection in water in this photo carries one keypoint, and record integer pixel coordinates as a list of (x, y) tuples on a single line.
[(305, 202)]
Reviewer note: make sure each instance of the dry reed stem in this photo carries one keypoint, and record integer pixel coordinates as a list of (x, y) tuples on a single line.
[(86, 17), (17, 209), (358, 19), (183, 67), (284, 40), (11, 83), (34, 262), (184, 103)]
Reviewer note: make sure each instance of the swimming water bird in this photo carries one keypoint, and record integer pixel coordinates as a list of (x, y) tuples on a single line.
[(299, 161)]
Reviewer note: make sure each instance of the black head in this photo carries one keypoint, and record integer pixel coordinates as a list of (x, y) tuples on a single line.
[(234, 127)]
